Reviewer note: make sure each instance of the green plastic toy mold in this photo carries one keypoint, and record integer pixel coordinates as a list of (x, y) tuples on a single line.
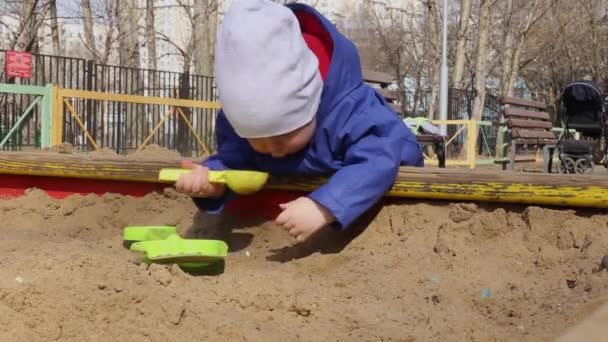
[(174, 249), (147, 233)]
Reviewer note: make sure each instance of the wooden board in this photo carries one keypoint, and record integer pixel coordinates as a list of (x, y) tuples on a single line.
[(521, 102)]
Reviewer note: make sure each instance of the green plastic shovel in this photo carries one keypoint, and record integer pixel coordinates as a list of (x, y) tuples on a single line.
[(241, 182)]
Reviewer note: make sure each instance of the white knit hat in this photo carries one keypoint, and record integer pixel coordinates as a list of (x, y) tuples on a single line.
[(267, 78)]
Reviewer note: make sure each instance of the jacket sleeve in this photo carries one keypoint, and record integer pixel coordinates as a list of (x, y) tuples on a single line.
[(373, 153), (232, 153)]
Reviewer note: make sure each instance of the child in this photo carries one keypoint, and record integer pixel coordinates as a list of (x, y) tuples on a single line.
[(294, 104)]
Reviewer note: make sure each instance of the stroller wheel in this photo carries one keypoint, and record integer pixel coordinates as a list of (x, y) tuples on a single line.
[(584, 166), (567, 165)]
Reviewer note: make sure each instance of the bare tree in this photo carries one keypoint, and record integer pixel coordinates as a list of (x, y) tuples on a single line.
[(519, 21), (31, 14), (106, 12)]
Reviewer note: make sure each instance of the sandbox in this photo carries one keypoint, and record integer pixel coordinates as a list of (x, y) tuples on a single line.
[(409, 271)]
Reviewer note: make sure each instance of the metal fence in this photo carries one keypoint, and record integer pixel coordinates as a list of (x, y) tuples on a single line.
[(117, 126), (122, 126)]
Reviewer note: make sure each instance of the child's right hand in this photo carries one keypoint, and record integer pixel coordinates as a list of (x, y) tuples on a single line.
[(196, 183)]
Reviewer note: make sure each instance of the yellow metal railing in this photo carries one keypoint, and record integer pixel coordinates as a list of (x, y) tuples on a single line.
[(64, 98)]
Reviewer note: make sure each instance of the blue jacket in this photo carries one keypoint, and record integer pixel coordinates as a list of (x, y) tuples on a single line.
[(359, 139)]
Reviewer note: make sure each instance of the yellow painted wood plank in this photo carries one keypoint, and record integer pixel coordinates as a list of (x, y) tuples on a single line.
[(591, 197)]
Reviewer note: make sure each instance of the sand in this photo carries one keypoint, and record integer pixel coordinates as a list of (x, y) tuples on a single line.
[(409, 271)]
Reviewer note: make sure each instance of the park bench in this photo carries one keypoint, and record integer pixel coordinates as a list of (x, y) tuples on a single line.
[(525, 123), (381, 81)]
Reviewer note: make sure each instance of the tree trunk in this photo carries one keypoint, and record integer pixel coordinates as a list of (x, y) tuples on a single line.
[(461, 46), (132, 82), (112, 8), (595, 45), (87, 22), (507, 49), (151, 35), (481, 60), (55, 28), (200, 33), (436, 36), (212, 29), (481, 68), (128, 34), (514, 70)]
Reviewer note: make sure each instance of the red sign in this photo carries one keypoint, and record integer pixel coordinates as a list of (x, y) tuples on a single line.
[(18, 64)]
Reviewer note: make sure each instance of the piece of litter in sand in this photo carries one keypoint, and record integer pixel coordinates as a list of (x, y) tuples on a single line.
[(19, 280), (435, 280), (486, 294), (247, 253)]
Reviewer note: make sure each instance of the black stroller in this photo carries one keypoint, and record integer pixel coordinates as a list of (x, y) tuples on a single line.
[(583, 102)]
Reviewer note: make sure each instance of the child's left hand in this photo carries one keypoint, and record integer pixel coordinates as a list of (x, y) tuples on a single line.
[(302, 217)]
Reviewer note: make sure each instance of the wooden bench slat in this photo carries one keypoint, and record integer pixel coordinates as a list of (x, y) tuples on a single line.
[(389, 95), (532, 134), (536, 141), (527, 114), (522, 123), (379, 77), (521, 102)]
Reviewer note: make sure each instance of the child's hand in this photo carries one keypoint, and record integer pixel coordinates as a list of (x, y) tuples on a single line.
[(196, 184), (302, 217)]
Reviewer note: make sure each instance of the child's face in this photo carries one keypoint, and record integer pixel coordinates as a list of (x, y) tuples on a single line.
[(283, 145)]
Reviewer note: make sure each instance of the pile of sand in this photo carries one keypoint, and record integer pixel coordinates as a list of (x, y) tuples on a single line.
[(418, 272), (149, 152)]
